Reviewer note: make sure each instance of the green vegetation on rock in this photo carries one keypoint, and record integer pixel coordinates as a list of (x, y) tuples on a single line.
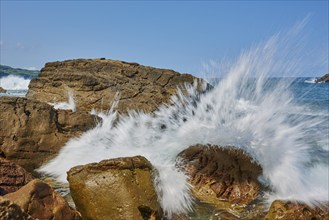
[(7, 70)]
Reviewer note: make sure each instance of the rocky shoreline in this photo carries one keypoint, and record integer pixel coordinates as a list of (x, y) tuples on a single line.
[(32, 132)]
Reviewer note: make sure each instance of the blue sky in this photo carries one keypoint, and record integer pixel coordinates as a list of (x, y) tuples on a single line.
[(179, 35)]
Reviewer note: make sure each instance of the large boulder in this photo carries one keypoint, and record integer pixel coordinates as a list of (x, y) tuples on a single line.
[(286, 210), (12, 211), (220, 174), (13, 176), (119, 188), (95, 82), (32, 132), (40, 201)]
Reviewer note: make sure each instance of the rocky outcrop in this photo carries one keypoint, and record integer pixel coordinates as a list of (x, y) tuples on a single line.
[(40, 201), (119, 188), (324, 78), (285, 210), (95, 82), (2, 90), (12, 177), (221, 174), (12, 211), (32, 132)]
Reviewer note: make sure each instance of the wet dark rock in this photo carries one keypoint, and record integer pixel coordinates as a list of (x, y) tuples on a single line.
[(2, 90)]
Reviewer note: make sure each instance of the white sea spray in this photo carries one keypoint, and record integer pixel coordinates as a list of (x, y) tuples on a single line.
[(13, 82), (247, 109)]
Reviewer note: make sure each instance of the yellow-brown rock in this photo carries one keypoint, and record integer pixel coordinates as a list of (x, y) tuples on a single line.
[(12, 211), (40, 201), (95, 82), (220, 175), (32, 132), (285, 210), (120, 188)]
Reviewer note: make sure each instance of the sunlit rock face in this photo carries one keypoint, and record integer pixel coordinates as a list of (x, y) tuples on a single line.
[(95, 83)]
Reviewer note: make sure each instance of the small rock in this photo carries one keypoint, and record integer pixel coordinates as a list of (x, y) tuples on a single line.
[(12, 211), (286, 210), (120, 188), (40, 201)]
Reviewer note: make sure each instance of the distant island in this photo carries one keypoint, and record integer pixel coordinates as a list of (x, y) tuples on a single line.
[(7, 70)]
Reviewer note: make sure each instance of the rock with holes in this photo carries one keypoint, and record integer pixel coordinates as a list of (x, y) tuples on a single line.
[(12, 177), (40, 201), (12, 211), (286, 210), (220, 174), (32, 132), (120, 188), (94, 83)]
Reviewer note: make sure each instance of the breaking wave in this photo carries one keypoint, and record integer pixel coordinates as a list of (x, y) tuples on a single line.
[(247, 109), (12, 82)]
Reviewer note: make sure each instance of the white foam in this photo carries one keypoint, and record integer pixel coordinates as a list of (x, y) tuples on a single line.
[(13, 82)]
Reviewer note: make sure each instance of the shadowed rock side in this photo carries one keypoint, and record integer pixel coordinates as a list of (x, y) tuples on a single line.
[(288, 210), (32, 132), (324, 78), (221, 174), (120, 188), (12, 176), (12, 211), (2, 90), (40, 201), (96, 81)]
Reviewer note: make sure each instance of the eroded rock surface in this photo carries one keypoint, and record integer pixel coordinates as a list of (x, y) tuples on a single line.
[(120, 188), (12, 176), (286, 210), (12, 211), (95, 82), (40, 201), (32, 132), (221, 174)]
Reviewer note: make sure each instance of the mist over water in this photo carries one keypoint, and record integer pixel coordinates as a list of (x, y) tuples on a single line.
[(15, 85), (246, 109)]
